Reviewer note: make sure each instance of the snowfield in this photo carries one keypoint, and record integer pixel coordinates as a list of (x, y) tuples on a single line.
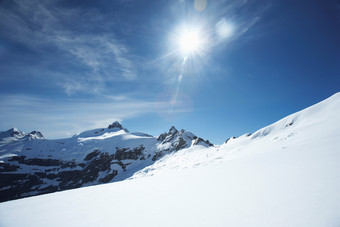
[(286, 174)]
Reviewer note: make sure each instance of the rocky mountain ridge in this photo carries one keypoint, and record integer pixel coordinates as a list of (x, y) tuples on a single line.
[(32, 165)]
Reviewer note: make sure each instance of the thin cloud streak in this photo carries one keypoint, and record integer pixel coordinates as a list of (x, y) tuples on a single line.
[(40, 25)]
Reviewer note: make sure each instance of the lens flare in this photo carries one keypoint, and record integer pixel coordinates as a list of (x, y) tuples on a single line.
[(200, 5), (224, 29)]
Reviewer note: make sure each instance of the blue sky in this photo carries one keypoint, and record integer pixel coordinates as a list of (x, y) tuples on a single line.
[(69, 66)]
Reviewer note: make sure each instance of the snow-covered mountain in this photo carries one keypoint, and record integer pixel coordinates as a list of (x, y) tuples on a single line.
[(285, 174), (31, 165), (314, 129)]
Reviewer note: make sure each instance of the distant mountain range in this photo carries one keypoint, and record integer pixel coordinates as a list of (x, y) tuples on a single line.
[(32, 165)]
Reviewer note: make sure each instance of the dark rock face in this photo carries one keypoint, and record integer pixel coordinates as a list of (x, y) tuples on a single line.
[(200, 140), (115, 124), (5, 167), (36, 161), (157, 155), (95, 168), (168, 136), (176, 140), (35, 135), (181, 144), (126, 153), (92, 155), (15, 132), (19, 184), (162, 136)]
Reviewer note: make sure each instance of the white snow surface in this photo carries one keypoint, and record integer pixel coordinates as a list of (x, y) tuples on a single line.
[(286, 174)]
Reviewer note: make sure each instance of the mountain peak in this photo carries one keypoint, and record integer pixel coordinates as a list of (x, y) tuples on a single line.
[(173, 130), (35, 135), (115, 124), (14, 132)]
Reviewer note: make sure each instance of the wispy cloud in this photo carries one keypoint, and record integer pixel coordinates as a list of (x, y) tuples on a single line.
[(241, 16), (80, 35)]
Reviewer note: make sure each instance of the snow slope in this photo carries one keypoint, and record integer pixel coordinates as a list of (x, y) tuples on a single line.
[(286, 174)]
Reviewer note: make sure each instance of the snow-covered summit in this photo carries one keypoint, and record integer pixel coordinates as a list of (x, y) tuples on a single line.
[(35, 135), (117, 125), (112, 129), (14, 134), (174, 140)]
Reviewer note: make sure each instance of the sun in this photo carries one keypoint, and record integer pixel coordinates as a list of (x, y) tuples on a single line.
[(190, 42)]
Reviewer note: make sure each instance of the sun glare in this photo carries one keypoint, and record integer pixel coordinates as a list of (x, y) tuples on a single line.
[(190, 42)]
